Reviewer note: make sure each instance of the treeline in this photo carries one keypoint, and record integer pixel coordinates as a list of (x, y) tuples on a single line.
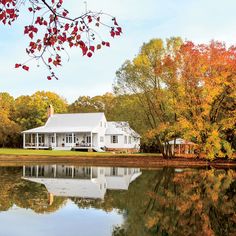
[(26, 112), (171, 89)]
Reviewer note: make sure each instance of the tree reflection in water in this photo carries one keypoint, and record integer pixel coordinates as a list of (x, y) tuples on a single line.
[(166, 201)]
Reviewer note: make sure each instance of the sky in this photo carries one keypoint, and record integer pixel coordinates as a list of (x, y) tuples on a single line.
[(142, 20)]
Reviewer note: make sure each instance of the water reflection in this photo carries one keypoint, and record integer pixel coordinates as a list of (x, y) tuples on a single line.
[(165, 201), (84, 182)]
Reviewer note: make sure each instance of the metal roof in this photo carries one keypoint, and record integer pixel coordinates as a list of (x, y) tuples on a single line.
[(120, 128), (81, 122)]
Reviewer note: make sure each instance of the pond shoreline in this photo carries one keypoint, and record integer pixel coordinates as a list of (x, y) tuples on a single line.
[(121, 161)]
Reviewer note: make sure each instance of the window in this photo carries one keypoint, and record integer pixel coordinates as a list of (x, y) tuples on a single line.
[(125, 139), (88, 139), (52, 139), (129, 139), (101, 139), (41, 138), (114, 139), (69, 138)]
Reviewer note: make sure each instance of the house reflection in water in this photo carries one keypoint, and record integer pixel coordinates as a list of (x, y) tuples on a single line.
[(84, 182)]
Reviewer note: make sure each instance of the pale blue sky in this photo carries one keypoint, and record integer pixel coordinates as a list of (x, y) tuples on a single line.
[(142, 20)]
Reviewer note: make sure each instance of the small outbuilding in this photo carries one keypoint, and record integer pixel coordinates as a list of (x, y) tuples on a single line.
[(181, 146)]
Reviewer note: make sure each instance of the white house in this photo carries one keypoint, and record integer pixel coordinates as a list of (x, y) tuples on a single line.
[(81, 131), (84, 182)]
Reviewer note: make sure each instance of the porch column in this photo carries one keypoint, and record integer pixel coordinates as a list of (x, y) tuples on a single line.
[(23, 140), (55, 139), (72, 171), (37, 140), (73, 139), (91, 140)]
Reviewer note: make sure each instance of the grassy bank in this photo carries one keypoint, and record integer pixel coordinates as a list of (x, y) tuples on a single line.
[(31, 157), (31, 152)]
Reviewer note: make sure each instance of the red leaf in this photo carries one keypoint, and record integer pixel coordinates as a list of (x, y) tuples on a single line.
[(89, 54), (31, 35), (67, 26), (49, 77), (119, 29), (25, 68), (17, 65), (107, 44), (92, 48)]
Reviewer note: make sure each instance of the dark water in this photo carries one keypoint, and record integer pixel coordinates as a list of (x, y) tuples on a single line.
[(64, 200)]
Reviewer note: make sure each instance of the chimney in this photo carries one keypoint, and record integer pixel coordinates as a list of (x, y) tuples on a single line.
[(50, 111)]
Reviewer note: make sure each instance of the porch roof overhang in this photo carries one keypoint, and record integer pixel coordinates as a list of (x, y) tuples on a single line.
[(44, 129), (180, 141)]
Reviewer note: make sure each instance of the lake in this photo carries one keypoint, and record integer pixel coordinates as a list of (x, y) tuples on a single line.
[(56, 200)]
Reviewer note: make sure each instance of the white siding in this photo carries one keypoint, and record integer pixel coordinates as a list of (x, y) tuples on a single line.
[(121, 142)]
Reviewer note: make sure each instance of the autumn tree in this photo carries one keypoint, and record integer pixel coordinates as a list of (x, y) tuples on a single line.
[(185, 90), (53, 30), (9, 130), (146, 77), (31, 111), (207, 96)]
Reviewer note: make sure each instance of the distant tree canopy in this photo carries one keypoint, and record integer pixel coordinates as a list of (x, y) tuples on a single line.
[(185, 90), (31, 112)]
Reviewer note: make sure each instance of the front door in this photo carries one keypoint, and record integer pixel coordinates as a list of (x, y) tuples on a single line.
[(51, 141), (69, 140)]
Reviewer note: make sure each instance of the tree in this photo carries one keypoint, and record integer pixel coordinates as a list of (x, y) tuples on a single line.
[(146, 78), (9, 130), (86, 104), (53, 30), (31, 111), (185, 90), (207, 101)]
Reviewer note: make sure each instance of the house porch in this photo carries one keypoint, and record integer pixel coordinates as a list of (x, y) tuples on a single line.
[(60, 141)]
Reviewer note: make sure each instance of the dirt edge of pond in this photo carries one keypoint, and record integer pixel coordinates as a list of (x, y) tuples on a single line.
[(121, 161)]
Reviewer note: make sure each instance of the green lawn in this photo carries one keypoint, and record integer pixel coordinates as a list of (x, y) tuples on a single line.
[(18, 151)]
